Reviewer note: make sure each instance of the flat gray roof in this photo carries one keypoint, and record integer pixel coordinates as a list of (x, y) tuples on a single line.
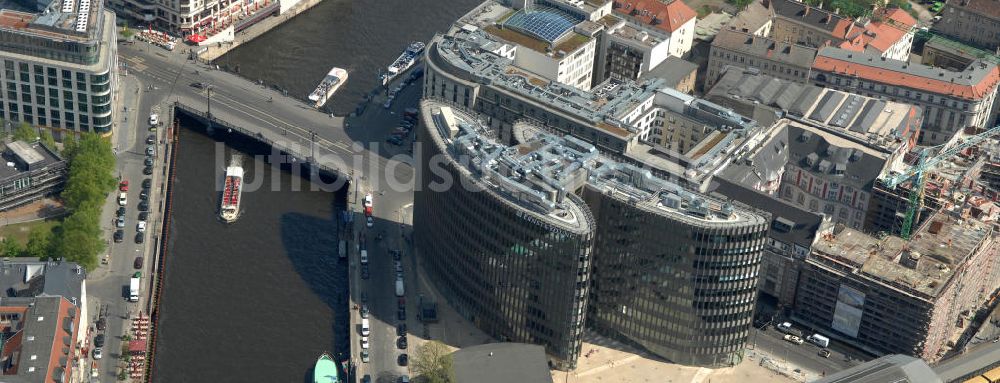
[(502, 363)]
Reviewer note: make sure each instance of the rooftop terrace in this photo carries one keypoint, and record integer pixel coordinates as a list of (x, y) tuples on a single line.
[(541, 173)]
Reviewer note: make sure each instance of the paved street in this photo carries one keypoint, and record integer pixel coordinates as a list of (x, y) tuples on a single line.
[(107, 284)]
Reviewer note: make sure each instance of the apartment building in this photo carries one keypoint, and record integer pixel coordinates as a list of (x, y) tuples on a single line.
[(953, 55), (628, 52), (731, 47), (670, 18), (892, 296), (950, 100), (756, 19), (60, 67), (976, 22), (889, 34)]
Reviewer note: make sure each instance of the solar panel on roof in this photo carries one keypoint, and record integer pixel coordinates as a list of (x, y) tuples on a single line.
[(545, 23)]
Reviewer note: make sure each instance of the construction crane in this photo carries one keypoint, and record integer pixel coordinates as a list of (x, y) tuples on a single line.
[(924, 163)]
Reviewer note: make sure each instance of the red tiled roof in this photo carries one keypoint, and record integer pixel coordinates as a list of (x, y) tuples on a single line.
[(880, 36), (899, 17), (667, 16), (886, 76)]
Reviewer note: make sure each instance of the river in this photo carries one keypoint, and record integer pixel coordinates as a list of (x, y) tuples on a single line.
[(360, 36), (253, 301)]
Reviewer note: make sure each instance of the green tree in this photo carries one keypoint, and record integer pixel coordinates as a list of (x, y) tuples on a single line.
[(48, 140), (433, 363), (80, 237), (69, 145), (38, 245), (9, 248), (25, 132)]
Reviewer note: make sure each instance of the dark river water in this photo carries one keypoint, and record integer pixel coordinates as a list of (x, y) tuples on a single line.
[(358, 35), (257, 300)]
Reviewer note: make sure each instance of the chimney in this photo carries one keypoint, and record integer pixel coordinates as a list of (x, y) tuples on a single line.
[(806, 12)]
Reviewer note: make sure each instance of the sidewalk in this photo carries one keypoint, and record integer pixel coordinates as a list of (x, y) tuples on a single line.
[(37, 210)]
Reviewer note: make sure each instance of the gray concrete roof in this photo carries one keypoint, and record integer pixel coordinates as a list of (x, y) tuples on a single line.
[(673, 70), (959, 367), (752, 18), (38, 338), (764, 47), (815, 17), (29, 277), (25, 157), (890, 368), (501, 363), (804, 223)]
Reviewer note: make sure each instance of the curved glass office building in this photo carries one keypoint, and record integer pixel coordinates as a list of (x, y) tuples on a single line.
[(674, 274), (510, 255), (533, 241)]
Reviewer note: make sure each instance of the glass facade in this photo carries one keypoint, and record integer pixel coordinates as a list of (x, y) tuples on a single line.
[(681, 289), (516, 277), (72, 94)]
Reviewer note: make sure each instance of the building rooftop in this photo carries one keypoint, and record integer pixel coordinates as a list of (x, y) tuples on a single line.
[(29, 277), (672, 71), (880, 124), (838, 26), (752, 18), (961, 49), (894, 368), (501, 363), (789, 224), (542, 22), (39, 339), (977, 81), (630, 32), (986, 8), (472, 54), (60, 19), (922, 266), (765, 47), (21, 157), (665, 15), (541, 172)]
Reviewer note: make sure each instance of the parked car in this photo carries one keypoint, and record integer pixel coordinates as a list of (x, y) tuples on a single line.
[(148, 162), (144, 195), (150, 150), (140, 237), (120, 222), (151, 139), (120, 212), (401, 329), (123, 186), (119, 235), (137, 264), (122, 199), (154, 119), (147, 170), (364, 357), (403, 360), (401, 314), (824, 353), (143, 206), (370, 222), (141, 227), (99, 341), (147, 183), (401, 343), (364, 310), (143, 215), (364, 342), (793, 339), (198, 85), (98, 353), (404, 379)]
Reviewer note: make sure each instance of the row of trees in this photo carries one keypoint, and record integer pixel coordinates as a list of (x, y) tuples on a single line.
[(79, 237)]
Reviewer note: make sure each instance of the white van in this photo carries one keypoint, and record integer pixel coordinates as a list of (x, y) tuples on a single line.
[(819, 340), (364, 257), (365, 330)]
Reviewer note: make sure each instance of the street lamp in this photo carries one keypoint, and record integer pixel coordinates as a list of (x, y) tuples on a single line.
[(208, 91)]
